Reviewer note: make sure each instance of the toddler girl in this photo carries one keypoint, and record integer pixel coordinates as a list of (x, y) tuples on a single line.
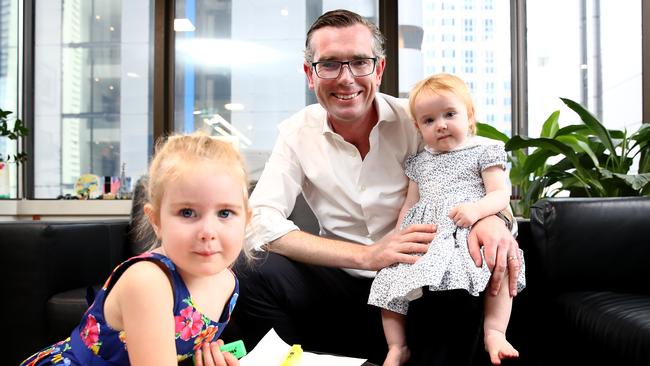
[(173, 301), (455, 181)]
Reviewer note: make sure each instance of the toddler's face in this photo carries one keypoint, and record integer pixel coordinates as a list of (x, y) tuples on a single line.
[(202, 220), (442, 119)]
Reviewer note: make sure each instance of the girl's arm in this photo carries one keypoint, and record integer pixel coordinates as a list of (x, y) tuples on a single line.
[(141, 303), (497, 198), (412, 197)]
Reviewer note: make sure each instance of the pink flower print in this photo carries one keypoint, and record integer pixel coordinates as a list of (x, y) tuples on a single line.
[(188, 324), (206, 336), (90, 334)]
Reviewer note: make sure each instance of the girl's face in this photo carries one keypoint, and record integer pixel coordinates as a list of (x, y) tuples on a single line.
[(442, 119), (202, 220)]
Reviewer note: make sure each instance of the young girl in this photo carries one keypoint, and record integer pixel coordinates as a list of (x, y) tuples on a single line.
[(455, 181), (172, 302)]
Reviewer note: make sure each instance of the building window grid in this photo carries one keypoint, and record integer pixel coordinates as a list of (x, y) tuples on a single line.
[(468, 30)]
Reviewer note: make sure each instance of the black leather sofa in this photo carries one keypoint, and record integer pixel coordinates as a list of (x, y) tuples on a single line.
[(46, 267), (588, 280), (587, 300)]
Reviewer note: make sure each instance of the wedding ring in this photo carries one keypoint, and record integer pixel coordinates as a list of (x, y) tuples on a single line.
[(512, 258)]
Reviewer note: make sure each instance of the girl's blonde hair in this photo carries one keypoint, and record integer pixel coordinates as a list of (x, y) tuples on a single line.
[(447, 82), (176, 156)]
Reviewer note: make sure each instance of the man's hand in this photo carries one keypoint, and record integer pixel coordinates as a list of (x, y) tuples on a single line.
[(465, 214), (500, 249), (398, 246)]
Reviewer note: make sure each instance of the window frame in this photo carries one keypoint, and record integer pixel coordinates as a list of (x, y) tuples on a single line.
[(163, 71)]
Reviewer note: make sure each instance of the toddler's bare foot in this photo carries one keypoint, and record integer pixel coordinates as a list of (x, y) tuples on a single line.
[(397, 355), (498, 347)]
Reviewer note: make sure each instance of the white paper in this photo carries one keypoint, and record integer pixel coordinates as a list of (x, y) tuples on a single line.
[(272, 350)]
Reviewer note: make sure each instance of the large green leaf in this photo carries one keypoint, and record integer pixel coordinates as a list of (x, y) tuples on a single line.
[(573, 129), (518, 142), (536, 160), (580, 146), (593, 123), (490, 132), (636, 181), (551, 126)]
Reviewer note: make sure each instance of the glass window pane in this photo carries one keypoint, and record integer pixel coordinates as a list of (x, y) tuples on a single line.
[(92, 91), (239, 67), (591, 54), (9, 84), (470, 39)]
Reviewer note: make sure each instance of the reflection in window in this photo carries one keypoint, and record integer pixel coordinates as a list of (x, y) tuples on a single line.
[(460, 51), (577, 59), (92, 113), (240, 71)]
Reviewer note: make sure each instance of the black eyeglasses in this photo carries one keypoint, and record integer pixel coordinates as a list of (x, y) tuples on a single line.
[(332, 69)]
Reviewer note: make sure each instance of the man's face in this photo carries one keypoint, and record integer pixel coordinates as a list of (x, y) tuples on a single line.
[(347, 99)]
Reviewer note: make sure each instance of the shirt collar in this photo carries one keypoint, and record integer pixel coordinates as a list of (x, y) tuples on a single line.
[(471, 141), (385, 113)]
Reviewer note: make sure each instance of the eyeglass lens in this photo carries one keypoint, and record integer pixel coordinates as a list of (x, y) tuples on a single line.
[(332, 69)]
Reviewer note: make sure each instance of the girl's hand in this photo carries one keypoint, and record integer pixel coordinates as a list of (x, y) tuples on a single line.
[(210, 355), (465, 214)]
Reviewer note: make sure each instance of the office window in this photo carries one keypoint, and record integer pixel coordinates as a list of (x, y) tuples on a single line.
[(492, 54), (239, 68), (9, 86), (92, 91), (577, 59)]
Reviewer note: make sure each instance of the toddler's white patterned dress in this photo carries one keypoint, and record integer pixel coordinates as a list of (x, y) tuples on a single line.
[(444, 180)]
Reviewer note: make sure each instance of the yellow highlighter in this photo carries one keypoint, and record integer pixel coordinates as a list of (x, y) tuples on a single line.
[(292, 359)]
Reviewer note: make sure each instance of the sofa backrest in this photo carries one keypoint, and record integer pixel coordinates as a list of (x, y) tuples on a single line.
[(590, 244)]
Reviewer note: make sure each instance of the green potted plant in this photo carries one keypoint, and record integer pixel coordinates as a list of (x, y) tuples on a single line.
[(581, 160), (19, 130)]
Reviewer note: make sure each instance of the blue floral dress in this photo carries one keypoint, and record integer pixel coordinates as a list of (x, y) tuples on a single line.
[(94, 342)]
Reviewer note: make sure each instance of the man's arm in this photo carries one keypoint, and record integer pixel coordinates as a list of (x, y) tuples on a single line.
[(396, 246)]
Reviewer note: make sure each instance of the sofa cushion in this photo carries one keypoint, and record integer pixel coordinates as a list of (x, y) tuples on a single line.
[(64, 311), (610, 323)]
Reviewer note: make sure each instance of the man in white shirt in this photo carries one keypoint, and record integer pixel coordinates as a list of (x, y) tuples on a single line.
[(345, 155)]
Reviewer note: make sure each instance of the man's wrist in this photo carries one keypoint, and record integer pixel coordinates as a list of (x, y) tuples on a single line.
[(506, 216)]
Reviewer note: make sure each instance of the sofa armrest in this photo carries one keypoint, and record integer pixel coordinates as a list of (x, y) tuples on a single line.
[(40, 259), (598, 244)]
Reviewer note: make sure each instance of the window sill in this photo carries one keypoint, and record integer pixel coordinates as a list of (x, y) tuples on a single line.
[(63, 210)]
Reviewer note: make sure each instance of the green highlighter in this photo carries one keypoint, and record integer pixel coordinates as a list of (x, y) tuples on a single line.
[(236, 348)]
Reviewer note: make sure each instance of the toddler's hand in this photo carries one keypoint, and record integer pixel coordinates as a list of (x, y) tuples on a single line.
[(465, 214)]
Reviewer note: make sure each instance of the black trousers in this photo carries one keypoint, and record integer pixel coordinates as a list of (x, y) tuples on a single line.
[(325, 309)]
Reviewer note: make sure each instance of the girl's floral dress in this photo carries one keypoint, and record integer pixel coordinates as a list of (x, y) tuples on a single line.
[(94, 342)]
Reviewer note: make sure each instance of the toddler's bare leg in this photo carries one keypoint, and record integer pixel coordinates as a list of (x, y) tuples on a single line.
[(497, 315), (395, 333)]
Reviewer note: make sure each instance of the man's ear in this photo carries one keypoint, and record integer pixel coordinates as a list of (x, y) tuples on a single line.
[(153, 218), (309, 71), (379, 69)]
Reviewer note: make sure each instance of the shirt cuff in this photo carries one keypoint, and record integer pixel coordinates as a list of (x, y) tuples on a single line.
[(266, 227)]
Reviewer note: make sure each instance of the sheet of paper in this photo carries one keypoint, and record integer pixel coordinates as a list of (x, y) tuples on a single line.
[(272, 350)]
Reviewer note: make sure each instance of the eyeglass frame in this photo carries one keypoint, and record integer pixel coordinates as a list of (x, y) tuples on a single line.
[(343, 63)]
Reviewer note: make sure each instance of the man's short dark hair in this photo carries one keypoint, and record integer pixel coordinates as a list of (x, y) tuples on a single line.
[(344, 18)]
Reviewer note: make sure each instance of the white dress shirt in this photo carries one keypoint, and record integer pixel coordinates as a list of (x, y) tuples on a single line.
[(355, 200)]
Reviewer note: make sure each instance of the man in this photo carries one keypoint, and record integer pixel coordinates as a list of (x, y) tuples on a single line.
[(345, 155)]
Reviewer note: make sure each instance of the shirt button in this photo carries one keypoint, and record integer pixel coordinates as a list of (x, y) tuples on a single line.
[(362, 188)]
